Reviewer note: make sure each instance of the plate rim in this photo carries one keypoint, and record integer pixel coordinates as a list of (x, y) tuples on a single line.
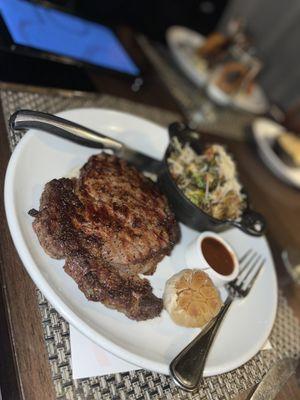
[(219, 96), (195, 75), (273, 162), (62, 308)]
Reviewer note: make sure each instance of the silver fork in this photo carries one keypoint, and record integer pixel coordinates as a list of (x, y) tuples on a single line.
[(187, 368)]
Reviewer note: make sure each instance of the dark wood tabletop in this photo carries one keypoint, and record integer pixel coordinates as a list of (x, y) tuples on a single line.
[(24, 367)]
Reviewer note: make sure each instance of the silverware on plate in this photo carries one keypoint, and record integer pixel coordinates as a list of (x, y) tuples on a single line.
[(27, 119), (187, 367)]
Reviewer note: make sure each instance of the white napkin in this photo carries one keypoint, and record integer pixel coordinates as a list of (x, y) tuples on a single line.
[(267, 345), (89, 359)]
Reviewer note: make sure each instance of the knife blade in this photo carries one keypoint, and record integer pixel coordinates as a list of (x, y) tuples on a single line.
[(274, 380), (26, 119), (140, 160)]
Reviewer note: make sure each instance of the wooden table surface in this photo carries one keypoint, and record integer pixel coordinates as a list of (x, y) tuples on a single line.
[(24, 367)]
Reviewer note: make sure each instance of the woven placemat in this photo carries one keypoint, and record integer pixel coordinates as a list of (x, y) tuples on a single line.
[(199, 111), (141, 384)]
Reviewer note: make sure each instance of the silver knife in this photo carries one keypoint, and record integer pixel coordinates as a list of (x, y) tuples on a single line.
[(274, 380), (26, 119)]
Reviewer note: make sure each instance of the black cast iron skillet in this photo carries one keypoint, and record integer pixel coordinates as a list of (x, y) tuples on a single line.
[(188, 213)]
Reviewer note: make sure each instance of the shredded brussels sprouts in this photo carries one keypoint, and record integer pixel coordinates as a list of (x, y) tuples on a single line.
[(209, 180)]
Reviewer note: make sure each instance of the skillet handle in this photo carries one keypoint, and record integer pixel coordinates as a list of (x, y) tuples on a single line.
[(252, 223), (26, 119), (178, 129), (183, 132)]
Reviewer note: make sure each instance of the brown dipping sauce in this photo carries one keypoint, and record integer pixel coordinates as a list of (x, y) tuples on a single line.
[(217, 256)]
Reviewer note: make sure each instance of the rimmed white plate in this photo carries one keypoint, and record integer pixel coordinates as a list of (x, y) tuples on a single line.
[(255, 102), (183, 43), (265, 133), (152, 344)]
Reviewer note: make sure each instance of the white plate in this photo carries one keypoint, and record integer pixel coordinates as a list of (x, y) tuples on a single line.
[(183, 44), (152, 344), (256, 102), (265, 132)]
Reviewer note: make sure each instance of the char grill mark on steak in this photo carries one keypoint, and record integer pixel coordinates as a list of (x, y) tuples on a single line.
[(111, 222), (125, 243), (131, 295)]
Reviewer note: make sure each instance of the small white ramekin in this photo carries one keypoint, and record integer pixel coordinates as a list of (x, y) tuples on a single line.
[(195, 259)]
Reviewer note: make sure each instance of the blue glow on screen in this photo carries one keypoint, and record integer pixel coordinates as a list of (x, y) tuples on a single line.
[(56, 32)]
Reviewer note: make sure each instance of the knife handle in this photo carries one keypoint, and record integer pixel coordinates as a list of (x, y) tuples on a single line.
[(274, 380), (25, 119)]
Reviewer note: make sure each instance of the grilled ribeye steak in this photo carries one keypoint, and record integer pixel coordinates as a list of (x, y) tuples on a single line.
[(111, 223)]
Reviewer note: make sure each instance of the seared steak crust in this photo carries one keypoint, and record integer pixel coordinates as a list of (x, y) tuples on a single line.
[(111, 224), (131, 295), (53, 224)]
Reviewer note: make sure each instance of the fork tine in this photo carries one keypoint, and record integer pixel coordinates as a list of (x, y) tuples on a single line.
[(241, 260), (244, 256), (239, 284), (256, 260), (254, 278), (247, 263)]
